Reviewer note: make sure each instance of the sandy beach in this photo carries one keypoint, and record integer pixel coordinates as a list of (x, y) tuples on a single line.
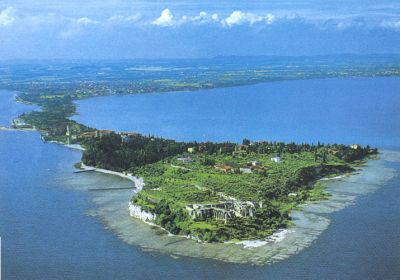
[(139, 183)]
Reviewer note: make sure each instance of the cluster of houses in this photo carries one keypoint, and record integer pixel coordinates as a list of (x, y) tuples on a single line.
[(252, 166), (249, 168), (20, 124), (222, 211), (334, 151), (94, 134), (127, 136), (72, 137)]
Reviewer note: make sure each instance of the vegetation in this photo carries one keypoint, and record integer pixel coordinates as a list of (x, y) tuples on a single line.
[(179, 174), (175, 178), (53, 118), (54, 86)]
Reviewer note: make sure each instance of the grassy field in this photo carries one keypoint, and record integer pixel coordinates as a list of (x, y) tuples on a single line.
[(275, 188)]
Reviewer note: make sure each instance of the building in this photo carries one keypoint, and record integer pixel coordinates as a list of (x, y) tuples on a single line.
[(276, 159), (191, 150), (224, 168), (20, 124), (241, 147), (100, 133), (226, 150), (93, 134), (333, 151), (185, 159), (245, 170), (125, 138), (87, 135), (254, 163), (68, 135), (355, 146), (223, 211)]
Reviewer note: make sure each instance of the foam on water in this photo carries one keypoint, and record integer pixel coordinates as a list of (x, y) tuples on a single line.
[(112, 208)]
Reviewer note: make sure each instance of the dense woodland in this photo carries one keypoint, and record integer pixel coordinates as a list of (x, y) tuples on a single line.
[(53, 117), (111, 152)]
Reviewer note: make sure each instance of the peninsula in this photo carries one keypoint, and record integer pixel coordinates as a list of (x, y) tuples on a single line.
[(216, 192), (212, 192)]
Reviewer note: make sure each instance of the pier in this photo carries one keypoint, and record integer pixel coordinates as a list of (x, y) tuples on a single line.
[(85, 170), (112, 189)]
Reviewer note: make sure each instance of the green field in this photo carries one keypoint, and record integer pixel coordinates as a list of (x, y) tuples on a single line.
[(274, 188)]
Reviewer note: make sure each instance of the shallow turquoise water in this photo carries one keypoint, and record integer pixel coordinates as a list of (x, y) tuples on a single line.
[(52, 228)]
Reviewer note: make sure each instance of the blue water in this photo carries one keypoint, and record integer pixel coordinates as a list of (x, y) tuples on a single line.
[(359, 110), (9, 109), (47, 234)]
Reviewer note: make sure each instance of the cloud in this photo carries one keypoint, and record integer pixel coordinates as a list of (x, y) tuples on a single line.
[(239, 17), (70, 26), (76, 26), (166, 19), (118, 19), (6, 16), (202, 18), (391, 24), (86, 21)]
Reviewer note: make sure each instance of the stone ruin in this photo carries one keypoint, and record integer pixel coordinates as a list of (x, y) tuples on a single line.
[(222, 211)]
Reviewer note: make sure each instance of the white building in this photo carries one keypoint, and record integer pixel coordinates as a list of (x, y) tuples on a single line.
[(245, 170), (276, 159), (185, 159)]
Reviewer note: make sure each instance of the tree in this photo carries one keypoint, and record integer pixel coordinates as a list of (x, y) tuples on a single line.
[(208, 161), (246, 141)]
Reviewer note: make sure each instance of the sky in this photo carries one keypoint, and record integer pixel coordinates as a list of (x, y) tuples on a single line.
[(126, 29)]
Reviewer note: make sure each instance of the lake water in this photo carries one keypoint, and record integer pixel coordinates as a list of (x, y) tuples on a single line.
[(359, 110), (53, 228)]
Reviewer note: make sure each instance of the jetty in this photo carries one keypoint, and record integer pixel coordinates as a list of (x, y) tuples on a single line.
[(112, 189), (85, 170)]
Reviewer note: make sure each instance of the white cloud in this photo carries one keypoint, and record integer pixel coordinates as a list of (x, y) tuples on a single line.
[(269, 18), (202, 18), (393, 24), (6, 16), (239, 17), (166, 19), (76, 26), (71, 26), (118, 19), (86, 21), (215, 17)]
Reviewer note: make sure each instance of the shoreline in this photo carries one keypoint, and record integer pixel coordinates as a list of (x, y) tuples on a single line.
[(286, 242), (138, 182), (277, 236), (309, 223), (5, 128)]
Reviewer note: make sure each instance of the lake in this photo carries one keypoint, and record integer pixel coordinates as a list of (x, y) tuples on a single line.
[(359, 110), (53, 228)]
